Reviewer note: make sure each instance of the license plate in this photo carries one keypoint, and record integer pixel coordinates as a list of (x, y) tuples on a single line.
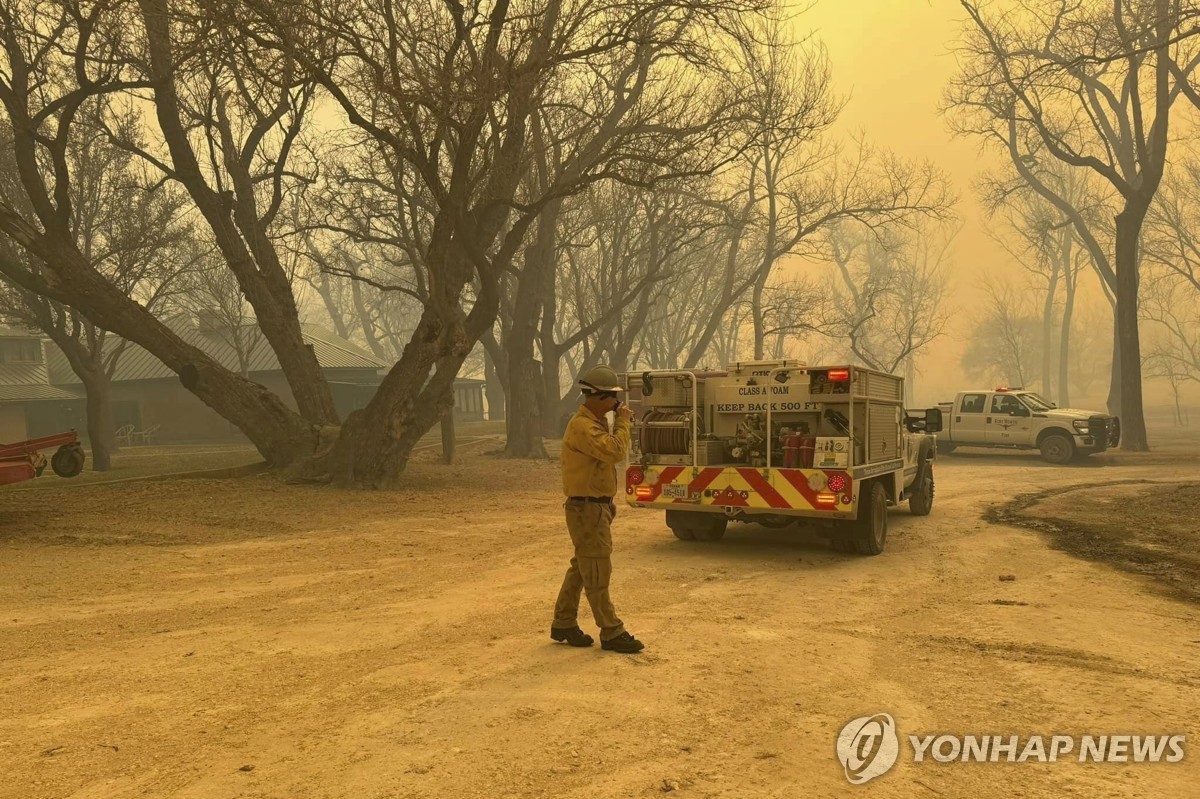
[(679, 491)]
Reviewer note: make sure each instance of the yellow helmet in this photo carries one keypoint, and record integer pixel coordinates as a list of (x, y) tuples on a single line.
[(599, 379)]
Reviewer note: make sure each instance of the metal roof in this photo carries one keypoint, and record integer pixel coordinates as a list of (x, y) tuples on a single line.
[(16, 332), (135, 363), (23, 374), (34, 393)]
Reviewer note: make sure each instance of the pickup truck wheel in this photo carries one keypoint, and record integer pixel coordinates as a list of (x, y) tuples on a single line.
[(870, 529), (920, 502), (1057, 448)]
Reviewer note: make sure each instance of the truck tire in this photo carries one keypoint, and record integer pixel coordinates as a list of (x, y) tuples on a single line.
[(67, 461), (920, 501), (842, 543), (697, 526), (920, 493), (870, 529), (680, 525), (713, 528), (1057, 448)]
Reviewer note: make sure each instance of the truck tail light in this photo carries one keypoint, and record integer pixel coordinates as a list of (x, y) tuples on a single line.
[(839, 374), (644, 492), (827, 499), (635, 475), (837, 483)]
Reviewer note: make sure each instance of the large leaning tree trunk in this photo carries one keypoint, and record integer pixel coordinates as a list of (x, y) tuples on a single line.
[(278, 432), (457, 117), (376, 442), (240, 217), (50, 85)]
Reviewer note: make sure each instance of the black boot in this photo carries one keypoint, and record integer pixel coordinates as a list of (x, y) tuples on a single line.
[(572, 635), (624, 643)]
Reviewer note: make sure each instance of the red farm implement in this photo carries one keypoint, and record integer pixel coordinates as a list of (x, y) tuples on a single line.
[(24, 460)]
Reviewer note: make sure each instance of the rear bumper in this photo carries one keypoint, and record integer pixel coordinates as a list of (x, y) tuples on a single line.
[(745, 492)]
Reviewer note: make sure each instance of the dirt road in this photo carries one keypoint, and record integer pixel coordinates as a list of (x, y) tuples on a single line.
[(250, 639)]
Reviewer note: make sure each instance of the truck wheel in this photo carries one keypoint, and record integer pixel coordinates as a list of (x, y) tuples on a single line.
[(683, 533), (920, 502), (710, 527), (870, 529), (1057, 448), (697, 526), (67, 461), (842, 543), (680, 525)]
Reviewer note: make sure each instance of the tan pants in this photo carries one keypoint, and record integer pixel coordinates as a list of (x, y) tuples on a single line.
[(591, 569)]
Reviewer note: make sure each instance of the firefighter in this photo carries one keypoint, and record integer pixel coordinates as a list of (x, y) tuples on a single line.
[(590, 454)]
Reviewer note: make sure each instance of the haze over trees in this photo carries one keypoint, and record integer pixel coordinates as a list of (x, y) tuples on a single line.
[(521, 189), (1087, 88)]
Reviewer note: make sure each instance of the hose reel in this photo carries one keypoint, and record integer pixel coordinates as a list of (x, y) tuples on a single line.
[(668, 432)]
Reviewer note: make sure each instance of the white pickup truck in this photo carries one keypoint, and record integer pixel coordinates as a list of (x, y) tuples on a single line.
[(1014, 418)]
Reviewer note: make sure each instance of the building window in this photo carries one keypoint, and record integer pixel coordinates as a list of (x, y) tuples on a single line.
[(20, 351)]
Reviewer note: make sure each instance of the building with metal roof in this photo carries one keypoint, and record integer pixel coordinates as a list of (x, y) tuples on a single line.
[(149, 396), (24, 383), (136, 363)]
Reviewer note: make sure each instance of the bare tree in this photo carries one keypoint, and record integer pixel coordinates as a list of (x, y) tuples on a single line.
[(211, 294), (453, 91), (1171, 239), (1003, 344), (1172, 313), (1045, 242), (886, 293), (794, 106), (59, 67), (1038, 74), (232, 116), (625, 251), (132, 232)]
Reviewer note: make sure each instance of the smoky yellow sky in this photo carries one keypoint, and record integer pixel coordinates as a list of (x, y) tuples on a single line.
[(892, 59)]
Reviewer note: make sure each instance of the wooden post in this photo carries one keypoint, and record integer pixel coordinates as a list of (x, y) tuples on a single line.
[(448, 435)]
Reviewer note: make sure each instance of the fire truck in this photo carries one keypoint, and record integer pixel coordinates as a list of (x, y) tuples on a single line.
[(778, 443)]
